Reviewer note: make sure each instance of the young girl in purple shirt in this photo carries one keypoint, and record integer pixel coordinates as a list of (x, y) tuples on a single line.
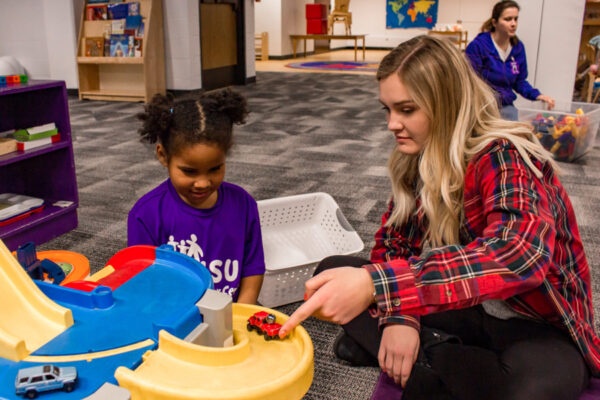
[(194, 210)]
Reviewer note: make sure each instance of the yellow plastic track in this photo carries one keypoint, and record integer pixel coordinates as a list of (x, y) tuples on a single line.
[(252, 369), (29, 318)]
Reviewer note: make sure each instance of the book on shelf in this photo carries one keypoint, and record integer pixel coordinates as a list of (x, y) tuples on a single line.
[(106, 36), (118, 11), (137, 46), (7, 145), (36, 132), (32, 144), (14, 207), (94, 46), (132, 24), (8, 133), (117, 26), (119, 45), (134, 8), (130, 46), (96, 12)]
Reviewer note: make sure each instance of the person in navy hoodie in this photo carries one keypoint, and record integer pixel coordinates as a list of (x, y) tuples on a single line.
[(498, 56)]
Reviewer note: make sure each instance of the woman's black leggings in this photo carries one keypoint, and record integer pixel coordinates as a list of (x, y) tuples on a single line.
[(509, 359)]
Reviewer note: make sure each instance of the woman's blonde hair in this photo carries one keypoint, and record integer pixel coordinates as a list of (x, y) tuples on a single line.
[(464, 119)]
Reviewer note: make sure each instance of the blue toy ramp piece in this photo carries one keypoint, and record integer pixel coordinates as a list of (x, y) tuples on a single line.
[(165, 255), (36, 269), (99, 298), (150, 298), (91, 374), (53, 270)]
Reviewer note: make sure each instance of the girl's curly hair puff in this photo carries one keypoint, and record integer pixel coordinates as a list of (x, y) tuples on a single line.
[(208, 118)]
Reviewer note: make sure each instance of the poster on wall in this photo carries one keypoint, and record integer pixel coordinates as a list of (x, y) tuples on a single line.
[(411, 13)]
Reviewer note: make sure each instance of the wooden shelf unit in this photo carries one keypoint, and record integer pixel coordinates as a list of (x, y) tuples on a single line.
[(591, 23), (46, 172), (124, 78), (588, 53), (110, 60)]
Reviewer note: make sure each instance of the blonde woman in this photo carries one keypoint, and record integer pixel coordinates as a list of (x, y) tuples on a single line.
[(478, 280)]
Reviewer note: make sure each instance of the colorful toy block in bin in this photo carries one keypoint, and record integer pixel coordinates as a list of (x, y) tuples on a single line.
[(298, 232), (12, 79), (567, 131)]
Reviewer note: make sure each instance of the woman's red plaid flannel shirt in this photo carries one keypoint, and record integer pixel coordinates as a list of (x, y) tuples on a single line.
[(519, 242)]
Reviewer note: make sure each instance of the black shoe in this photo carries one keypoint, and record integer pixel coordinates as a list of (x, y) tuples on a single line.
[(345, 348)]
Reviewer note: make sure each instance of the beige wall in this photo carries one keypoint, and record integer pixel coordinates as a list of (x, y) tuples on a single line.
[(35, 33), (280, 19), (369, 16)]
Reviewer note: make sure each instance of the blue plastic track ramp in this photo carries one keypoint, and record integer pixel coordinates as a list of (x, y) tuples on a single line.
[(165, 255)]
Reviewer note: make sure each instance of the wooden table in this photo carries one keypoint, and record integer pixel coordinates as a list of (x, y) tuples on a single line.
[(295, 39), (459, 38)]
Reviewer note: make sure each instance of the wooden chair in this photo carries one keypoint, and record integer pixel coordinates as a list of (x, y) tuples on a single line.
[(458, 38), (340, 13), (261, 46), (589, 57), (593, 83)]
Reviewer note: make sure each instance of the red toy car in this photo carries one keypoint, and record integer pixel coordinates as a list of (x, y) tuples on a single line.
[(265, 324)]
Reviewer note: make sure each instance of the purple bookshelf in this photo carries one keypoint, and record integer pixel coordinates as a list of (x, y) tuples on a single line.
[(46, 172)]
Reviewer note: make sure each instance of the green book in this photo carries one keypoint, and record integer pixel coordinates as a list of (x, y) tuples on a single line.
[(36, 132)]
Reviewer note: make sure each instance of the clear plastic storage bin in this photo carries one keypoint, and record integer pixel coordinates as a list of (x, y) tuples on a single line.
[(567, 131), (298, 232)]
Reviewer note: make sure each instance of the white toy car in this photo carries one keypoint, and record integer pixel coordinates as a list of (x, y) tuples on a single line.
[(30, 381)]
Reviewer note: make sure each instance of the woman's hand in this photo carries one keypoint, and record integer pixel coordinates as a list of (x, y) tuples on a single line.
[(398, 351), (337, 295), (546, 99)]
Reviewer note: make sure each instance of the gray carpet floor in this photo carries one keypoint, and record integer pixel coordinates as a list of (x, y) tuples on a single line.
[(306, 133)]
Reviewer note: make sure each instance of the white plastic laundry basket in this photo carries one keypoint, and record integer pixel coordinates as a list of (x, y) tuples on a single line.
[(298, 232)]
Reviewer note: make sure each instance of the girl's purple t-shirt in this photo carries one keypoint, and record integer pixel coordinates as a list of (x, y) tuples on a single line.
[(225, 238)]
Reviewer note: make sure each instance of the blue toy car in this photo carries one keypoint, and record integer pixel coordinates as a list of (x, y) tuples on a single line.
[(31, 381)]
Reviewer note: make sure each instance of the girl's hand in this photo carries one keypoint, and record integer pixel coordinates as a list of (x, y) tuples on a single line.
[(398, 351), (546, 99), (337, 295)]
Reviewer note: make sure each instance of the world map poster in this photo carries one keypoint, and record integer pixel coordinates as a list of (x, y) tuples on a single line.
[(411, 13)]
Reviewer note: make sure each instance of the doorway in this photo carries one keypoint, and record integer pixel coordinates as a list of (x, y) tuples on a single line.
[(222, 43), (322, 45)]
